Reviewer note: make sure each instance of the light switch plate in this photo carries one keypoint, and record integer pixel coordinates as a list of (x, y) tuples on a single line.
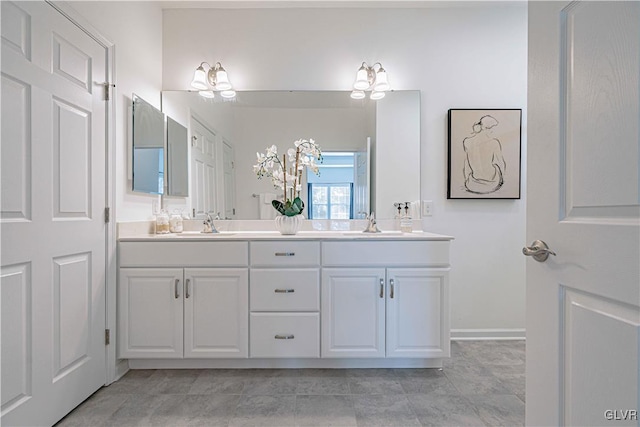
[(427, 207)]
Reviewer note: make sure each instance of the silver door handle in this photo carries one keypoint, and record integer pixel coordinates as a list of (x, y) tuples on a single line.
[(391, 282), (284, 337), (284, 291), (539, 250), (381, 288), (285, 254), (176, 290), (187, 294)]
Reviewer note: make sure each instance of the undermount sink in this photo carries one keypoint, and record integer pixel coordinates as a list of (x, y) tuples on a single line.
[(200, 234), (381, 233)]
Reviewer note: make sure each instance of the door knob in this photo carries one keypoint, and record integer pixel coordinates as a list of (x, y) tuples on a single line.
[(539, 250)]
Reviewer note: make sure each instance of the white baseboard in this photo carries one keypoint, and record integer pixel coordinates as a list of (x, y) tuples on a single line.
[(122, 367), (283, 363), (487, 334)]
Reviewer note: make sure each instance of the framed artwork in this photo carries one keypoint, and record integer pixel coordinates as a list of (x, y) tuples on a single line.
[(484, 154)]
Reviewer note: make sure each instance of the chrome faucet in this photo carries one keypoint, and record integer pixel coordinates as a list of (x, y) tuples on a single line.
[(371, 224), (208, 225)]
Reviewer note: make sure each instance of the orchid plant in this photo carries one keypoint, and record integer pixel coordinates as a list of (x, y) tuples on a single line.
[(289, 180)]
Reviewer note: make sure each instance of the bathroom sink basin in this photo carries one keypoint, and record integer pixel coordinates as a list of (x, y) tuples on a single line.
[(363, 234), (198, 234)]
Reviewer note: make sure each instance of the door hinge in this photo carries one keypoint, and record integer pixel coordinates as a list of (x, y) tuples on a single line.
[(107, 215), (107, 336), (107, 90)]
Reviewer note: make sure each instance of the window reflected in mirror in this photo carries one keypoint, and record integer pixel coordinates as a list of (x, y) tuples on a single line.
[(331, 194)]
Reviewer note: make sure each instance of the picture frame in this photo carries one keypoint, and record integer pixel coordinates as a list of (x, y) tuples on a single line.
[(484, 153)]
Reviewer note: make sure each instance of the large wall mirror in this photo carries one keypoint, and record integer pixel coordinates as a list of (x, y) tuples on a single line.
[(371, 150)]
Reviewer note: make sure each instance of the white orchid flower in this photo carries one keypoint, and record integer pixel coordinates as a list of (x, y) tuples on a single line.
[(292, 154), (272, 151)]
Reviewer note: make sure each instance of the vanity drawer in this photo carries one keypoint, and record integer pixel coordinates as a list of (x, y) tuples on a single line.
[(291, 289), (360, 253), (285, 254), (183, 254), (285, 335)]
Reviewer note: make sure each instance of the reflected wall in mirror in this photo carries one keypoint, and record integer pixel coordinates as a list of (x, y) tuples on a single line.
[(177, 159), (380, 138), (148, 147)]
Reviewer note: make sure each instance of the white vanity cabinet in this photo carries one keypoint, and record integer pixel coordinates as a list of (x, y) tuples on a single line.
[(191, 312), (325, 300), (399, 311)]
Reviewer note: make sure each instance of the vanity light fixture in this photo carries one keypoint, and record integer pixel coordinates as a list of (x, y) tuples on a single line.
[(370, 78), (207, 79)]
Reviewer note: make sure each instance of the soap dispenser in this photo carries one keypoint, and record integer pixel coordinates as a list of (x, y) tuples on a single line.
[(406, 223)]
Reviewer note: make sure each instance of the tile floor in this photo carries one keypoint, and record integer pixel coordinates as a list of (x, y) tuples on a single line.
[(481, 385)]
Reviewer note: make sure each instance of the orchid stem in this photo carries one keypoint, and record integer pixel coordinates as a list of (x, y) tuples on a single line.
[(284, 171)]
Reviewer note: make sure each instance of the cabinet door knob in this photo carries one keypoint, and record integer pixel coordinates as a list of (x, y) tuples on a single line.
[(381, 288), (187, 294), (391, 282), (176, 290)]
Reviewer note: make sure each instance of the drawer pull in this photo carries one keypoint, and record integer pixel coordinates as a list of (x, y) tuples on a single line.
[(381, 288), (284, 291), (391, 282), (285, 254), (284, 337), (177, 291)]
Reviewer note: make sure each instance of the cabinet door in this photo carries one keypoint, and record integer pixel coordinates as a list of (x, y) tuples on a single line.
[(417, 312), (150, 313), (216, 320), (353, 312)]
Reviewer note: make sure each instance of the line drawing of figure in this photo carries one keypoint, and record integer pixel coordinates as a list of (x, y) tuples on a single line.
[(484, 165)]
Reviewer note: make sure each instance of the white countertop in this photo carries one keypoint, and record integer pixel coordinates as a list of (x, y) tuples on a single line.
[(275, 235)]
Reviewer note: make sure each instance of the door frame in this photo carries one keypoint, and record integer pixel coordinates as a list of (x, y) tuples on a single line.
[(114, 369)]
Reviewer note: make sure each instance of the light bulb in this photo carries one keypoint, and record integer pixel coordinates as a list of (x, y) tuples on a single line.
[(375, 95), (357, 94), (362, 79), (382, 82), (222, 80), (199, 81), (207, 94)]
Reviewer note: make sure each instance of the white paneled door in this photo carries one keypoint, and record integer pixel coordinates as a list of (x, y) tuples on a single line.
[(52, 214), (583, 304)]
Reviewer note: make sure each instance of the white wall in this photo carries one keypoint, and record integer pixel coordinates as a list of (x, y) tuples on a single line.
[(471, 56), (136, 30)]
